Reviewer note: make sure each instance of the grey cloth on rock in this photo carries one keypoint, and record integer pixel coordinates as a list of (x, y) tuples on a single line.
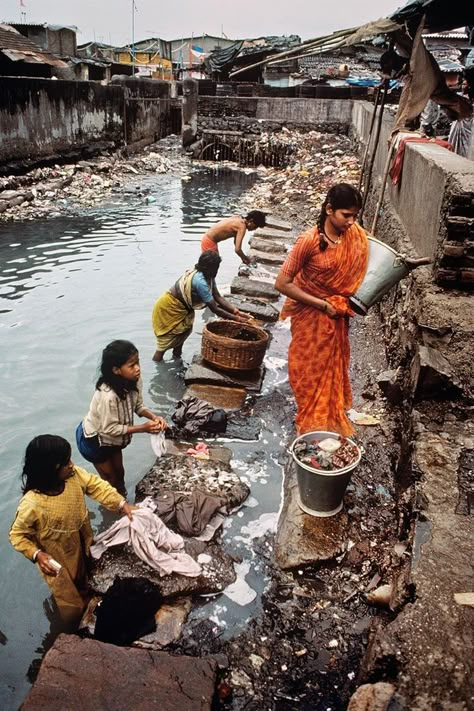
[(192, 414)]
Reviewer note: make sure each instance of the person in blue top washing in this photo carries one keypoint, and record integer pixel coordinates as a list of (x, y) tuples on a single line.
[(173, 313)]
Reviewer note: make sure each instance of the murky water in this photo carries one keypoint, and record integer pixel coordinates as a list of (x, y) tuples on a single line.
[(68, 286)]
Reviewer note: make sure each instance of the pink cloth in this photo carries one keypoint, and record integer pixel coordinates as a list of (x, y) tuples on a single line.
[(397, 165), (152, 542)]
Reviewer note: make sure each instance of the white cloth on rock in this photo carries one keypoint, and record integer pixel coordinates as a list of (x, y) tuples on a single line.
[(152, 542), (158, 444)]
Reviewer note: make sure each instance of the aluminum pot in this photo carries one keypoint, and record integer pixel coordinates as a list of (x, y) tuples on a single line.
[(385, 268), (321, 493)]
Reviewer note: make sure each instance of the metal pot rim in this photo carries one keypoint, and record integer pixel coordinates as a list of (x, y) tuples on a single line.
[(322, 472)]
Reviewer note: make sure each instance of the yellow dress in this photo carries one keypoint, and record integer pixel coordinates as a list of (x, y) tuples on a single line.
[(60, 526)]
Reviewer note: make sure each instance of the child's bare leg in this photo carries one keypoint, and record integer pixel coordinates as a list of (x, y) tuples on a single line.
[(112, 470), (119, 471)]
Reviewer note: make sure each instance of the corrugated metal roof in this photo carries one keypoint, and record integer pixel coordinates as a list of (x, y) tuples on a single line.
[(21, 49), (45, 25), (446, 35)]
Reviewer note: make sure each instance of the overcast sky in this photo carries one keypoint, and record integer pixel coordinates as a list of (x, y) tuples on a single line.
[(110, 21)]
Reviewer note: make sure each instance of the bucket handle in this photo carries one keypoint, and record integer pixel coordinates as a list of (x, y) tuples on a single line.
[(399, 261)]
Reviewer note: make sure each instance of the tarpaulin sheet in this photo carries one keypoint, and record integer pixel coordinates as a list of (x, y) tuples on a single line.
[(440, 15)]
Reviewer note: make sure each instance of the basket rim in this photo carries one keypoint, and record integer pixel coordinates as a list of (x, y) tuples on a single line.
[(209, 333)]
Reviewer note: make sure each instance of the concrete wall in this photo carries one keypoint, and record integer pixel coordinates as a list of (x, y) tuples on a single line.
[(40, 118), (433, 199), (147, 107), (322, 114)]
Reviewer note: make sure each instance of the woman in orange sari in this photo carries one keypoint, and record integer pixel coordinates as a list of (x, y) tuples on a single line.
[(325, 267)]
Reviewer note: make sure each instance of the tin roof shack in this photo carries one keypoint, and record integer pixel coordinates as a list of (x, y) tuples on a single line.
[(57, 39), (246, 53), (147, 58), (20, 56), (346, 66), (96, 61), (189, 54)]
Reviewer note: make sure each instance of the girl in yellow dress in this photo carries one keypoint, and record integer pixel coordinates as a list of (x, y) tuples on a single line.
[(52, 526)]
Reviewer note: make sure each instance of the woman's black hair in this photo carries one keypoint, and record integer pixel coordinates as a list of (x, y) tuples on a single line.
[(208, 264), (341, 196), (114, 356), (44, 456)]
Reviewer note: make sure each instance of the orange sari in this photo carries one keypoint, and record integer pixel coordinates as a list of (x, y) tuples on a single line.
[(318, 357)]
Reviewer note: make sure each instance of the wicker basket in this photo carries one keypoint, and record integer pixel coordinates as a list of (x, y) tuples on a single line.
[(221, 348)]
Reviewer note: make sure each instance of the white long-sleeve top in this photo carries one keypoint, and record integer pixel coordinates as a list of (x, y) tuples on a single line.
[(109, 416)]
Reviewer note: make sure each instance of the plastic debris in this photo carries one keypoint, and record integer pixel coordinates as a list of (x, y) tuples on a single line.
[(362, 418), (200, 451), (312, 454), (464, 599)]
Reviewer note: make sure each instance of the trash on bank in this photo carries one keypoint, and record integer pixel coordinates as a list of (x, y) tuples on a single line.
[(362, 418), (464, 599), (327, 454)]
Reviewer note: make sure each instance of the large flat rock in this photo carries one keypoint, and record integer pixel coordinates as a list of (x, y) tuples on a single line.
[(220, 397), (258, 309), (185, 474), (274, 234), (203, 373), (302, 539), (254, 289), (217, 573), (276, 223), (243, 426), (268, 245), (78, 674), (267, 257)]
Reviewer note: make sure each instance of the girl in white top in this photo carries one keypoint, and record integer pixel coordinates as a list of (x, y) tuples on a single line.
[(108, 426)]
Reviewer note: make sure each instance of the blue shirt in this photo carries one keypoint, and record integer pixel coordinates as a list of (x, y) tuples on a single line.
[(200, 290)]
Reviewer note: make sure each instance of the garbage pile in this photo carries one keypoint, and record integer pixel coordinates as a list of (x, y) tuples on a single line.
[(52, 191), (319, 160), (327, 454)]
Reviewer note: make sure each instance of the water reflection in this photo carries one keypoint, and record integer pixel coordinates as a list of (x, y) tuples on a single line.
[(68, 286)]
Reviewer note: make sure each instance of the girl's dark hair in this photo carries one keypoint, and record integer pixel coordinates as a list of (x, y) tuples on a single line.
[(44, 456), (341, 196), (208, 263), (114, 356)]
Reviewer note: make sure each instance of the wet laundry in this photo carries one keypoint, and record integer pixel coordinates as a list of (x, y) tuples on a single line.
[(193, 415), (158, 444), (200, 451), (322, 454), (188, 513), (151, 540)]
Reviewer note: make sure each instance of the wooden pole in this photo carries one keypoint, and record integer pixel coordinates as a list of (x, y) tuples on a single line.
[(374, 151), (367, 147), (384, 182)]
